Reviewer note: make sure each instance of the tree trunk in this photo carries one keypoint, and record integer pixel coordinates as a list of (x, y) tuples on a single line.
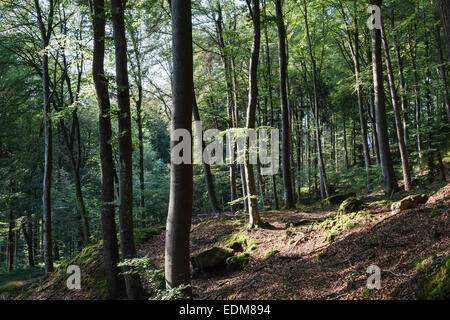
[(177, 271), (286, 145), (46, 33), (442, 71), (398, 121), (127, 246), (115, 282), (11, 241), (444, 9), (254, 218), (403, 97), (206, 167), (322, 171), (390, 183)]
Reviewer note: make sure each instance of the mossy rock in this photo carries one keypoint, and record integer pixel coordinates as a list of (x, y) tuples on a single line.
[(350, 205), (238, 262), (211, 258), (270, 254), (336, 199), (436, 285), (409, 202), (241, 240)]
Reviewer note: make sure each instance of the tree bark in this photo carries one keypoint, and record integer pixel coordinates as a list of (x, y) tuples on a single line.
[(115, 282), (46, 32), (444, 9), (254, 218), (177, 271), (286, 145), (387, 168), (127, 246), (398, 121)]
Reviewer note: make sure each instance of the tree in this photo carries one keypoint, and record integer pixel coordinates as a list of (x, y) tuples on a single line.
[(114, 281), (254, 218), (127, 246), (46, 33), (286, 152), (398, 120), (177, 271), (387, 168)]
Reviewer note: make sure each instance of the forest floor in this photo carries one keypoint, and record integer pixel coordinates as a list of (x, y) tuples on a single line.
[(311, 252)]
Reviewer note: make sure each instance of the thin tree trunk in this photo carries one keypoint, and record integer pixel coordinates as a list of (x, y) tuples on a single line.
[(286, 145), (390, 183), (322, 171), (403, 98), (442, 71), (206, 167), (115, 282), (11, 241), (444, 9), (254, 218), (398, 121), (127, 246), (46, 32)]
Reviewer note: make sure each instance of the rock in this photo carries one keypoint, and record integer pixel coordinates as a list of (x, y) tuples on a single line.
[(238, 262), (211, 258), (436, 283), (350, 205), (336, 199), (409, 202)]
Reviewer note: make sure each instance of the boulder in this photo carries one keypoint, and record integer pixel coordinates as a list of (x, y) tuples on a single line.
[(350, 205), (211, 258), (336, 199), (409, 202), (238, 262)]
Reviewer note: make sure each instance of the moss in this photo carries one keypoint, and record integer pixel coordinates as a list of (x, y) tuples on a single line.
[(210, 258), (350, 205), (365, 292), (434, 213), (300, 222), (321, 255), (210, 222), (376, 204), (270, 254), (342, 222), (142, 235), (263, 291), (436, 284), (238, 262), (423, 261), (243, 240), (292, 241), (409, 202)]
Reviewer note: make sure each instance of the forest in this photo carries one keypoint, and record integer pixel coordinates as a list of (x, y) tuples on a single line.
[(224, 150)]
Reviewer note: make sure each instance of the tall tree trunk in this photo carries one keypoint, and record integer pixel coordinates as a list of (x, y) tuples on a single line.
[(27, 230), (322, 171), (398, 121), (444, 9), (46, 32), (114, 281), (387, 168), (403, 97), (177, 271), (254, 218), (269, 89), (11, 241), (286, 145), (206, 167), (442, 71), (127, 246)]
